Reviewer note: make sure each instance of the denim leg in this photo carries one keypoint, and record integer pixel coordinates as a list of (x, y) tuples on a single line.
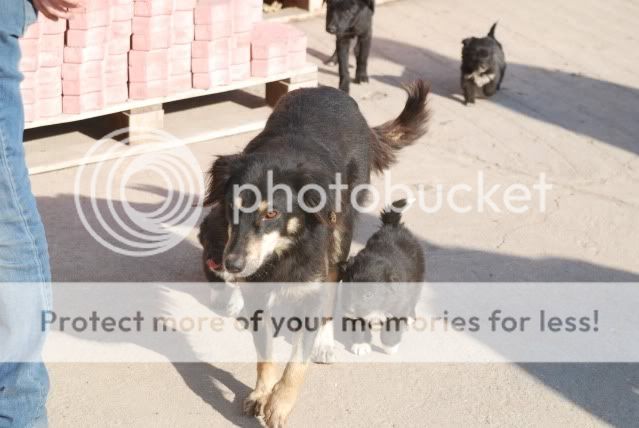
[(24, 258)]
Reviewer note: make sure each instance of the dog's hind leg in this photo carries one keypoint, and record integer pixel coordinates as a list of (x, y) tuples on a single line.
[(490, 88), (501, 77), (468, 87), (362, 51)]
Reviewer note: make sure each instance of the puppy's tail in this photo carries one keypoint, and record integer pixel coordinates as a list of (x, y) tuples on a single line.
[(491, 33), (392, 215), (403, 131)]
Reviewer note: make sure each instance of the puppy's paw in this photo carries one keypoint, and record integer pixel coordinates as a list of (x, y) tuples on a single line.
[(255, 403), (332, 61), (390, 350), (279, 406), (323, 354), (361, 349)]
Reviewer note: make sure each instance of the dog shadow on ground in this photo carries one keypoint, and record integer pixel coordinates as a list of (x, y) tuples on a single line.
[(571, 101), (77, 257)]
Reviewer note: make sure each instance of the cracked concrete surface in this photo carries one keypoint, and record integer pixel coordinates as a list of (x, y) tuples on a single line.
[(568, 108)]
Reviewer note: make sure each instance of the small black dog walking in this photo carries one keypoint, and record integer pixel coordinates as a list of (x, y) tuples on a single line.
[(483, 66), (348, 19)]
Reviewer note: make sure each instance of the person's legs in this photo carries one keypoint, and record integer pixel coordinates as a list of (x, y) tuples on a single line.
[(24, 382)]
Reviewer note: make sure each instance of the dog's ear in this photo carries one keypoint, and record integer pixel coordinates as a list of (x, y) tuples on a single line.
[(467, 41), (218, 176), (317, 196)]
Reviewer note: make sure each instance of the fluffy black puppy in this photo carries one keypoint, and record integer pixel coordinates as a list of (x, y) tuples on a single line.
[(348, 19), (483, 66), (392, 259)]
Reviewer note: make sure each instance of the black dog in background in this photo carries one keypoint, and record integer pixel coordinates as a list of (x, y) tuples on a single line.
[(393, 263), (483, 66), (348, 19)]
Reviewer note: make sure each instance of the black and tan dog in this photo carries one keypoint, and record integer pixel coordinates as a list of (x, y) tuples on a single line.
[(312, 136), (483, 66), (347, 20)]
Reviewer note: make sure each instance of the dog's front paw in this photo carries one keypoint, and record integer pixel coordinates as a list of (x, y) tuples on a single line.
[(235, 305), (361, 349), (363, 78), (279, 406), (256, 401)]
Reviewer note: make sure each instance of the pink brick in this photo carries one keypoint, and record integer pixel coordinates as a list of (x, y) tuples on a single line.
[(145, 90), (82, 71), (48, 90), (180, 83), (241, 39), (84, 86), (269, 67), (32, 32), (206, 49), (49, 107), (28, 96), (117, 76), (119, 45), (116, 2), (80, 55), (215, 62), (153, 7), (255, 3), (179, 59), (156, 40), (216, 30), (297, 40), (242, 8), (116, 94), (29, 49), (183, 18), (121, 12), (148, 65), (29, 80), (182, 35), (116, 63), (48, 75), (186, 4), (84, 38), (97, 18), (120, 29), (210, 79), (296, 60), (269, 48), (30, 112), (51, 48), (207, 12), (49, 26), (242, 23), (240, 71), (151, 24), (241, 55), (76, 104)]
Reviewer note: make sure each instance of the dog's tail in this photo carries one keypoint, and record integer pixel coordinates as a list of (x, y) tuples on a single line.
[(403, 131), (491, 33), (392, 215)]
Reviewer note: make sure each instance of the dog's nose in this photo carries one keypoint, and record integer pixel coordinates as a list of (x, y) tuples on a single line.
[(234, 263), (331, 29)]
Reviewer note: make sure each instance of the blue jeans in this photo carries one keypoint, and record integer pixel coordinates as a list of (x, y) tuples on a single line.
[(24, 383)]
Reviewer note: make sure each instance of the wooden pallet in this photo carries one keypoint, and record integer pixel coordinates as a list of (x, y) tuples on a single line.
[(140, 115)]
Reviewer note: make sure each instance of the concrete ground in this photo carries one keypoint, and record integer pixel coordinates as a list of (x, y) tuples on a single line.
[(568, 108)]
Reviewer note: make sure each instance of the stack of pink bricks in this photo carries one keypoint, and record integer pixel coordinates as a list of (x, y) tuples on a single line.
[(114, 50), (42, 52), (149, 56), (276, 48), (182, 35)]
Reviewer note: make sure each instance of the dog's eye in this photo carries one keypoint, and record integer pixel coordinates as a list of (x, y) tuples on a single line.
[(270, 215)]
